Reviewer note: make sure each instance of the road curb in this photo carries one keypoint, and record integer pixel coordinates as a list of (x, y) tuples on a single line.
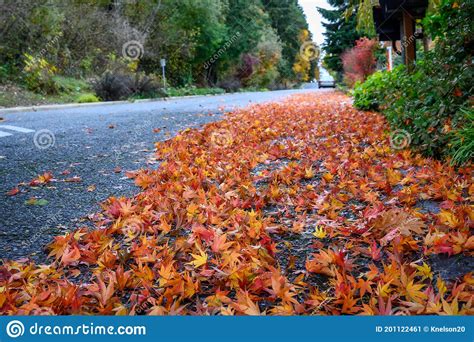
[(92, 104)]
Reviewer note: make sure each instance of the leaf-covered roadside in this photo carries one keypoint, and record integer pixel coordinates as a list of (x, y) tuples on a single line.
[(299, 207)]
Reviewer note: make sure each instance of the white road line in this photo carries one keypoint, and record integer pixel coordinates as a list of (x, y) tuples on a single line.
[(4, 134), (18, 129)]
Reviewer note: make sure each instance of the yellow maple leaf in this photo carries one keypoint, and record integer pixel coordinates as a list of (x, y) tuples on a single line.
[(448, 218), (413, 291), (441, 285), (320, 232), (450, 309), (309, 172), (424, 271), (384, 290), (199, 259), (328, 176)]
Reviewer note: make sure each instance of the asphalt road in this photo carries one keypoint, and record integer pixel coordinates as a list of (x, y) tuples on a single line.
[(96, 144)]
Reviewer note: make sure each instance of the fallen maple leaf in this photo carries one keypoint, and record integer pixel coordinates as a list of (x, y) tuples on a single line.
[(199, 259), (13, 192), (396, 222), (45, 178), (320, 232), (75, 179), (70, 255)]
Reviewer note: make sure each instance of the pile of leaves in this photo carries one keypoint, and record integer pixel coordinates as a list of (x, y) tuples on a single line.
[(299, 207)]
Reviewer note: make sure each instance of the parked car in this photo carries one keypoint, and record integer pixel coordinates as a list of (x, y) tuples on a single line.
[(329, 83)]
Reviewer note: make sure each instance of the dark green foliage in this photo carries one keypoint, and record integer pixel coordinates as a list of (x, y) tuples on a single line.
[(192, 90), (462, 140), (340, 34), (431, 102)]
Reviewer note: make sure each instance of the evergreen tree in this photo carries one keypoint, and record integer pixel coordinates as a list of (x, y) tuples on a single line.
[(340, 34)]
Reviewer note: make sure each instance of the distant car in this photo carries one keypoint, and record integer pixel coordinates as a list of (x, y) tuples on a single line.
[(326, 84)]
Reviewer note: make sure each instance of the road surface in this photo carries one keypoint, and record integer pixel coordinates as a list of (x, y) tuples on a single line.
[(94, 146)]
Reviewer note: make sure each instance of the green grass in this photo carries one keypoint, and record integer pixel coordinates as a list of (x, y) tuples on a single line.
[(187, 91), (71, 91)]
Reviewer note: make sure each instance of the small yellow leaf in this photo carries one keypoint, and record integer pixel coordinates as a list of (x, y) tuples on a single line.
[(199, 259), (320, 233), (424, 271)]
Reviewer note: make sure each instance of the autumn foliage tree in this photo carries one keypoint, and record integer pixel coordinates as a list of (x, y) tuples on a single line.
[(359, 62)]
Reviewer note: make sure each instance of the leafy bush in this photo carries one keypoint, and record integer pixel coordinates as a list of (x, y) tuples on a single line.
[(69, 85), (359, 62), (38, 75), (371, 94), (429, 102), (143, 86), (87, 98), (462, 143), (230, 84), (113, 86)]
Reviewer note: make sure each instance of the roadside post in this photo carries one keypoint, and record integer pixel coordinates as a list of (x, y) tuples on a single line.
[(163, 65)]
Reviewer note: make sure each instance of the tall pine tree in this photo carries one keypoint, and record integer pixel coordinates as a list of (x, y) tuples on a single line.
[(340, 34)]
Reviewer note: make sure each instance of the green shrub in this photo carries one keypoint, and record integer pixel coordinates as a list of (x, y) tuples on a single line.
[(87, 98), (70, 85), (114, 86), (38, 75), (371, 94), (145, 87), (428, 102), (462, 143)]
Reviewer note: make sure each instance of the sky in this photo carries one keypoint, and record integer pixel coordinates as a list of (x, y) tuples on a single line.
[(314, 18)]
